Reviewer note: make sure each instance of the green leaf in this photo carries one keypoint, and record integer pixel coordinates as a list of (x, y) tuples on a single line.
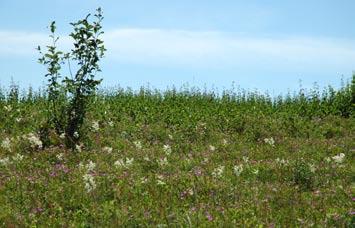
[(53, 27)]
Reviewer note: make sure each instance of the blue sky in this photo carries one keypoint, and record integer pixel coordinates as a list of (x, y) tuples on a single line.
[(268, 45)]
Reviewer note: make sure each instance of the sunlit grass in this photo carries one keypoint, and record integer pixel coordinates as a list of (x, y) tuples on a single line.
[(182, 159)]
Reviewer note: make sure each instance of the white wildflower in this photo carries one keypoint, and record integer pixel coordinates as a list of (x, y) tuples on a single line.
[(218, 172), (90, 166), (62, 136), (90, 184), (170, 137), (95, 125), (238, 169), (119, 163), (110, 123), (17, 158), (18, 120), (60, 156), (245, 159), (107, 149), (339, 158), (138, 145), (313, 168), (163, 161), (281, 161), (270, 141), (144, 180), (129, 161), (167, 149), (34, 140), (160, 180), (328, 159), (78, 148), (6, 144), (212, 148), (4, 161), (224, 142), (146, 158), (76, 134)]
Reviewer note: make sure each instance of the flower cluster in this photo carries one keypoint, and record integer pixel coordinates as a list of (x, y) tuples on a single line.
[(78, 148), (212, 148), (281, 161), (18, 158), (62, 136), (4, 161), (167, 149), (163, 161), (76, 135), (238, 169), (34, 140), (218, 172), (312, 168), (107, 149), (186, 193), (88, 178), (6, 144), (160, 180), (59, 156), (339, 158), (225, 142), (90, 184), (138, 145), (110, 123), (126, 164), (95, 126), (270, 141)]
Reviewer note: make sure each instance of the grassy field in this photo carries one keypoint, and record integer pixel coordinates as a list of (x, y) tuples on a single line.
[(182, 158)]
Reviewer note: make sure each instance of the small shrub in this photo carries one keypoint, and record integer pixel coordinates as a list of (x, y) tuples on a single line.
[(79, 87)]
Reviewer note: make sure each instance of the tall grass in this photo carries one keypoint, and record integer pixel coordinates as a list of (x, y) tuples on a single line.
[(185, 157)]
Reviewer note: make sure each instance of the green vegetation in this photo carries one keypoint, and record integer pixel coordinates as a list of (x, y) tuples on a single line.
[(68, 98), (181, 158), (72, 156)]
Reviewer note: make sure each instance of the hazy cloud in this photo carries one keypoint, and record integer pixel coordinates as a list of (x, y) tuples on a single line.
[(160, 47), (24, 44), (178, 47)]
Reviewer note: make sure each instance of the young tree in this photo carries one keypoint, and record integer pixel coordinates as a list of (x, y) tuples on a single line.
[(54, 60), (87, 52), (79, 87)]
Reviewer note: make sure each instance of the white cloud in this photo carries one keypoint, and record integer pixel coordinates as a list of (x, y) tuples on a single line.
[(178, 47), (15, 43), (160, 47), (24, 44)]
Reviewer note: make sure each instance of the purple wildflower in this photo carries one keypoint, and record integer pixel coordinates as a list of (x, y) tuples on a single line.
[(209, 216)]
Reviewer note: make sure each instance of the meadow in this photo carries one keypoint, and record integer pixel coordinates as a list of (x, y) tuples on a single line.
[(181, 158)]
